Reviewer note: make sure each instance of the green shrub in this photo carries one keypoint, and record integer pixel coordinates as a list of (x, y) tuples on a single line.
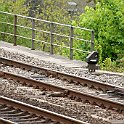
[(107, 20)]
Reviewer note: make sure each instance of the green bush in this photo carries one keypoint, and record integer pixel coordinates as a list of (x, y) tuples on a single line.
[(107, 20)]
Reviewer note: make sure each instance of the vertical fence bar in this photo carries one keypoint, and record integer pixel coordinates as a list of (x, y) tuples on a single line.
[(92, 41), (33, 34), (15, 30), (51, 38), (71, 42)]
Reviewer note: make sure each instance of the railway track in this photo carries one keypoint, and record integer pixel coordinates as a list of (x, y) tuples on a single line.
[(85, 97), (4, 121), (79, 96), (62, 76), (13, 111)]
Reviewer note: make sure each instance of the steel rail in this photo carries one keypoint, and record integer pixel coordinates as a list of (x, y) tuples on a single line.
[(4, 121), (60, 75), (84, 97), (39, 111)]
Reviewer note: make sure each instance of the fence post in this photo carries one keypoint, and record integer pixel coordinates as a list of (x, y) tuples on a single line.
[(71, 42), (33, 34), (15, 30), (92, 40), (51, 38)]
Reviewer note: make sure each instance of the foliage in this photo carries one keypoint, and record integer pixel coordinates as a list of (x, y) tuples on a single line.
[(107, 63), (113, 66), (49, 10), (107, 20), (15, 7)]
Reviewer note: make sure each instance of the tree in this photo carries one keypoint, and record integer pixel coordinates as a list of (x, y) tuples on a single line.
[(107, 20), (13, 6)]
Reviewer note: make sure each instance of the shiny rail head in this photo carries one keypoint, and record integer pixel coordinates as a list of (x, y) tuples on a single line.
[(39, 111)]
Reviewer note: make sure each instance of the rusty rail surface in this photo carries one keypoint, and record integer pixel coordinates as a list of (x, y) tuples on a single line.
[(39, 112), (84, 97)]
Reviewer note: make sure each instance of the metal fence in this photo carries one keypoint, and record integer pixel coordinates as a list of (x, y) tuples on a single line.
[(32, 25)]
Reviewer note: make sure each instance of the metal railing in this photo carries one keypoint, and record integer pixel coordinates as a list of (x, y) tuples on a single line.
[(50, 31)]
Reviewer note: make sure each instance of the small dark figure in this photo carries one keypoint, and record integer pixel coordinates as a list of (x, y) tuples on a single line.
[(92, 60)]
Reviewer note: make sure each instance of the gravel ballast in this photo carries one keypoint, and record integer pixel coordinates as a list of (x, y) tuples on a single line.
[(86, 112), (117, 80), (57, 82)]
